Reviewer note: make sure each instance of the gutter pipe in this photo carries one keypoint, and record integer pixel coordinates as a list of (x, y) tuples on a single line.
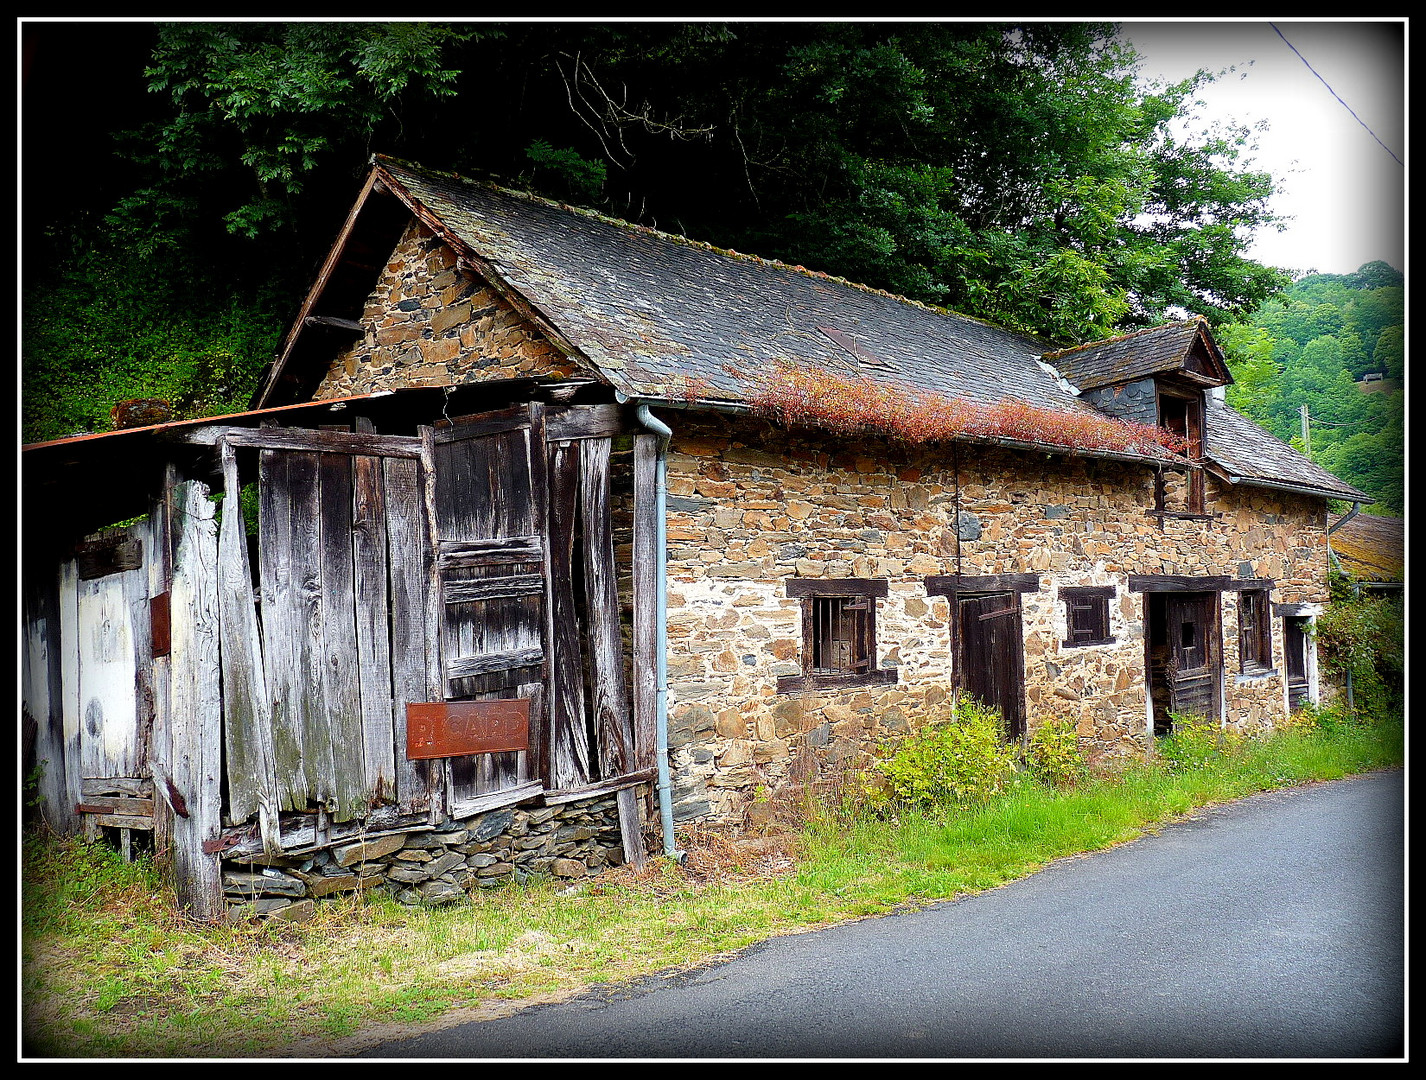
[(665, 796)]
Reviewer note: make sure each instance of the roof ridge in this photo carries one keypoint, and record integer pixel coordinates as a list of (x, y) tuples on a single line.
[(1194, 320), (704, 245)]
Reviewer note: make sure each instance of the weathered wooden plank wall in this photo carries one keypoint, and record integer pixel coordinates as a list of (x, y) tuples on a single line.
[(571, 760), (247, 715), (488, 471), (42, 694), (194, 743), (609, 695), (373, 626)]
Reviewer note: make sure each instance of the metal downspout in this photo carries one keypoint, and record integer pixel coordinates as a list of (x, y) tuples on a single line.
[(665, 797)]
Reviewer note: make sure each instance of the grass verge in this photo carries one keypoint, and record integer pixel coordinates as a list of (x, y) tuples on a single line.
[(109, 968)]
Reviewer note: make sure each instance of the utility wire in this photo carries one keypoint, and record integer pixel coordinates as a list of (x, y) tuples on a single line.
[(1334, 93)]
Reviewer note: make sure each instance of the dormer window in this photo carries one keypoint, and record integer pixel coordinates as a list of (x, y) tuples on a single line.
[(1182, 413)]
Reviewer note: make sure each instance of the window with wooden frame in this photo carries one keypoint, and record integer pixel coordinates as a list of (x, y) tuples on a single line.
[(838, 634), (1087, 614), (1184, 417), (1255, 640)]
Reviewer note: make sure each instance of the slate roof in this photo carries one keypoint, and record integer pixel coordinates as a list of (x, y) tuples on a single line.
[(665, 318), (1371, 548), (1132, 356), (1247, 454), (658, 314)]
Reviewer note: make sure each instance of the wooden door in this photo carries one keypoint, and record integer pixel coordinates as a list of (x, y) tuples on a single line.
[(490, 499), (1294, 641), (1192, 652), (992, 655)]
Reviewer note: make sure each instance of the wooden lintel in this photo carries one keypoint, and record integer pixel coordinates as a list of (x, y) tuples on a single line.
[(955, 584), (836, 586), (1250, 585), (331, 442), (108, 555), (1177, 583), (584, 422)]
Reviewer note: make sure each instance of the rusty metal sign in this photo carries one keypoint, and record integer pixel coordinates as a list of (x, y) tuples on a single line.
[(442, 729)]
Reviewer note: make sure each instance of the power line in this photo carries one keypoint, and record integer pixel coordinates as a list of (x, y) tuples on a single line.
[(1334, 93)]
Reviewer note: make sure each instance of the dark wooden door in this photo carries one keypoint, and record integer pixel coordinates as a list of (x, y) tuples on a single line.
[(992, 655), (1294, 640), (1193, 651), (490, 565)]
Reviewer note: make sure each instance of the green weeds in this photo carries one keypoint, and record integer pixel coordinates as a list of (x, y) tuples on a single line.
[(110, 968)]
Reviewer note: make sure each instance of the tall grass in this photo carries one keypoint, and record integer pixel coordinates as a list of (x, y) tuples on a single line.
[(110, 968)]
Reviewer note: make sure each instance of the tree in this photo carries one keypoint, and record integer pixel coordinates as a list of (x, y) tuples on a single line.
[(1012, 172)]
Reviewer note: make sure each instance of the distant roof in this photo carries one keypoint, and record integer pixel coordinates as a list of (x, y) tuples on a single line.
[(1371, 548), (661, 317)]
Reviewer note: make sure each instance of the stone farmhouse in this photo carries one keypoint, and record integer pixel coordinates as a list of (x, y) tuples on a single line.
[(569, 531)]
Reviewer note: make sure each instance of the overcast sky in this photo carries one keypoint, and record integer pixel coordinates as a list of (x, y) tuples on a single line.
[(1345, 191)]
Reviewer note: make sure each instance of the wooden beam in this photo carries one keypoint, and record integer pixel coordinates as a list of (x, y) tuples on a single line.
[(954, 584), (308, 439), (1178, 583), (836, 586)]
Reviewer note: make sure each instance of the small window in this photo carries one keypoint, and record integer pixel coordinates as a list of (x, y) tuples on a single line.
[(1255, 643), (1087, 614), (838, 634)]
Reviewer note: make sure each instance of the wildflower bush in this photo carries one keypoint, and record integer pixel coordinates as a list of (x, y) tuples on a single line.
[(1196, 741), (1366, 638), (1053, 754), (956, 763)]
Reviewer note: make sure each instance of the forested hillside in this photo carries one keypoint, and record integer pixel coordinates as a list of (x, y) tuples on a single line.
[(1334, 346)]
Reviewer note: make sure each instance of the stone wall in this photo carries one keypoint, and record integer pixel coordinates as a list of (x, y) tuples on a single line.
[(751, 506), (435, 867), (430, 323)]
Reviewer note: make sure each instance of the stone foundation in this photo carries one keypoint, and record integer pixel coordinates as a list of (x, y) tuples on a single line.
[(439, 866)]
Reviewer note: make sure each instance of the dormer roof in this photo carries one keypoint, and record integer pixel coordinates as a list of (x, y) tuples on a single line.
[(1184, 349)]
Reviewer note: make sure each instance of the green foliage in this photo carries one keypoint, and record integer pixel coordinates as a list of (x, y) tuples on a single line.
[(1194, 742), (1366, 637), (581, 178), (1053, 753), (260, 106), (1308, 347), (101, 334), (952, 764)]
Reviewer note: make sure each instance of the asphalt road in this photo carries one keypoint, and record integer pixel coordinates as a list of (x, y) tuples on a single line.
[(1273, 927)]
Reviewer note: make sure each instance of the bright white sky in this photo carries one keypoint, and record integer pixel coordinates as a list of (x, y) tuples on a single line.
[(1345, 192)]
